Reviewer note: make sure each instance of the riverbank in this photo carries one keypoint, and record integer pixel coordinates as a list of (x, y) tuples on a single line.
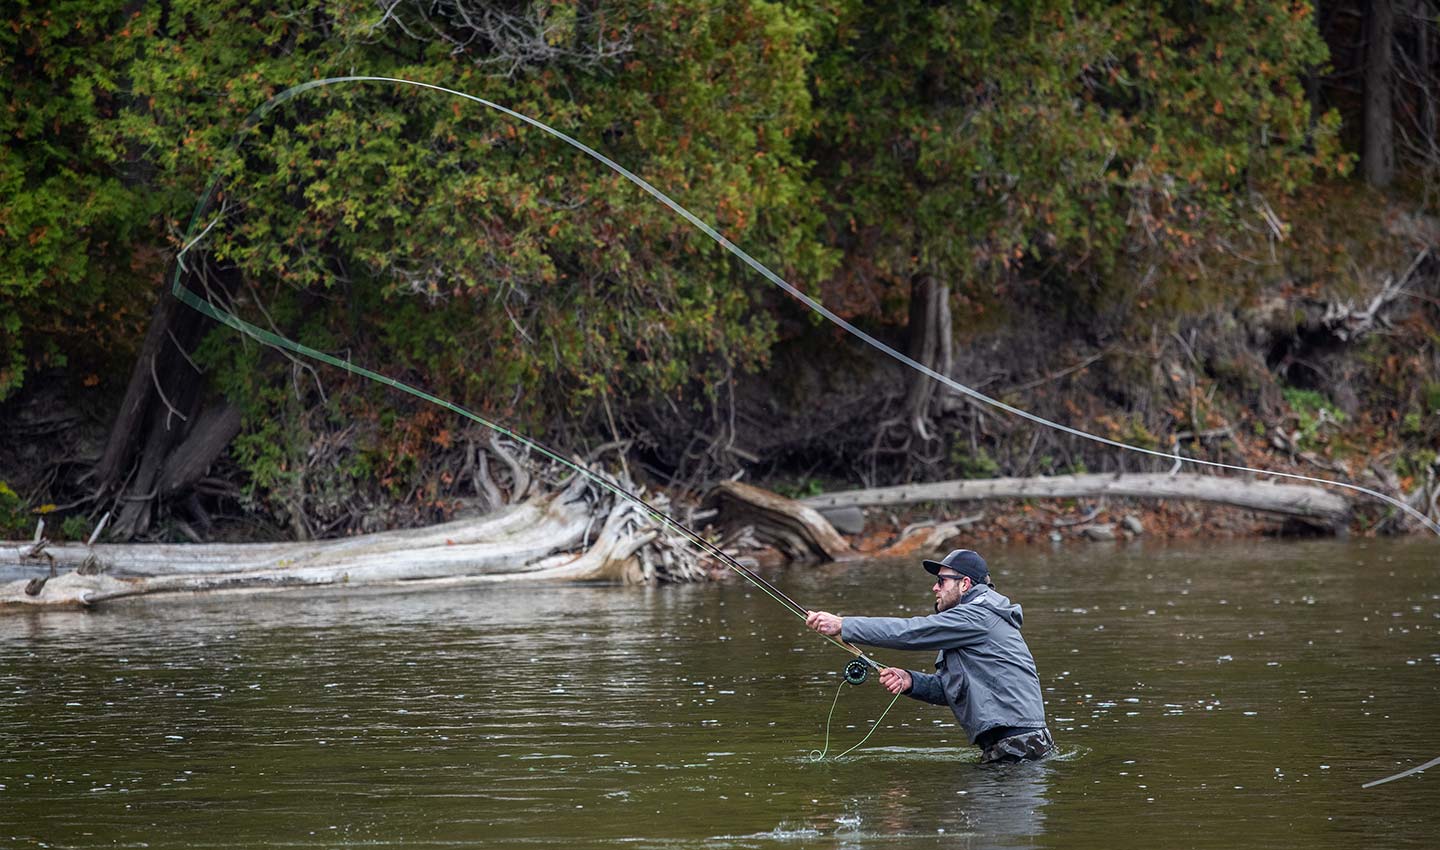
[(911, 532), (1322, 361), (586, 533)]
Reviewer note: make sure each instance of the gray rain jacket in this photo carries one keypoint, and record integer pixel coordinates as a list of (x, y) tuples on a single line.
[(984, 671)]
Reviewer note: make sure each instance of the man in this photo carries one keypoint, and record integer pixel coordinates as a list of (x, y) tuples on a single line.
[(984, 671)]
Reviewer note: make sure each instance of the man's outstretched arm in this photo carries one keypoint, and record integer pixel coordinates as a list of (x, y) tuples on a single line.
[(962, 625)]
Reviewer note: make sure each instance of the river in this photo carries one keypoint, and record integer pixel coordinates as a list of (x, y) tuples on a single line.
[(1231, 695)]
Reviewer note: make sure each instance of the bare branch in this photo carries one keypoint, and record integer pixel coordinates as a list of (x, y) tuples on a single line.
[(170, 408), (511, 37)]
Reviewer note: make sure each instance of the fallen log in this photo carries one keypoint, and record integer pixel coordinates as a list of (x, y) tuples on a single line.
[(1313, 504), (546, 538), (798, 531)]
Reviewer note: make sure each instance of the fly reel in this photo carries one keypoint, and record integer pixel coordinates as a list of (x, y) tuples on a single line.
[(856, 672)]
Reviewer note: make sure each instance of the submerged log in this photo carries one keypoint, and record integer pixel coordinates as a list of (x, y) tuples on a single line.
[(546, 538), (800, 532), (1302, 501)]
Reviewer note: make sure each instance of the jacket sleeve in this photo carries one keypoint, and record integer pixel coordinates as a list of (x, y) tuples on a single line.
[(963, 625), (926, 687)]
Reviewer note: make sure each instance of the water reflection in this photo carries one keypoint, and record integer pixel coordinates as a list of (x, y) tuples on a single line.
[(964, 804)]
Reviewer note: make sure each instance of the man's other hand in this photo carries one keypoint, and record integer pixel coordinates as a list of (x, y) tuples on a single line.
[(895, 680), (824, 622)]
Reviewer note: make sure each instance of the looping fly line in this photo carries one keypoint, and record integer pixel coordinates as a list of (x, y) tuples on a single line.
[(228, 318)]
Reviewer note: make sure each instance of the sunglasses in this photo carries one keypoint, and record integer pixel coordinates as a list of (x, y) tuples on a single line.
[(940, 580)]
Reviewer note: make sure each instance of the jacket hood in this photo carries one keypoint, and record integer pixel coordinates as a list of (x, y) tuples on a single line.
[(998, 602)]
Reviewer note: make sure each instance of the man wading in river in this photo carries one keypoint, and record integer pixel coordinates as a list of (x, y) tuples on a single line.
[(984, 671)]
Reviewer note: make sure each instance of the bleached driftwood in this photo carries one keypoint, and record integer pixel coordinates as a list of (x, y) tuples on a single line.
[(790, 526), (546, 538), (1314, 504)]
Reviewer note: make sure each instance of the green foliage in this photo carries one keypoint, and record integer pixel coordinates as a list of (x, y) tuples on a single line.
[(1431, 397), (76, 228), (1022, 146), (15, 520), (1135, 433), (1049, 465), (1045, 151), (1416, 463), (972, 464), (802, 489), (1312, 412), (1306, 402), (442, 243), (75, 528), (1422, 425), (1412, 424)]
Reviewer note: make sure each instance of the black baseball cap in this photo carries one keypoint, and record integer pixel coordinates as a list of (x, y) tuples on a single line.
[(966, 562)]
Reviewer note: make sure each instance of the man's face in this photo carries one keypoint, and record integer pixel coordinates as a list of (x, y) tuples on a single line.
[(948, 588)]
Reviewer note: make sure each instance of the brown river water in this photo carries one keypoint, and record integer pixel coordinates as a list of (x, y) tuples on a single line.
[(1230, 696)]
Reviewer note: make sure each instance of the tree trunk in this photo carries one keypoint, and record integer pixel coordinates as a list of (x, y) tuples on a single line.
[(162, 403), (1310, 503), (125, 432), (931, 344), (212, 432), (1377, 163)]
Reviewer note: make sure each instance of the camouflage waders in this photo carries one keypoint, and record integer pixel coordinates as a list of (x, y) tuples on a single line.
[(1023, 747)]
